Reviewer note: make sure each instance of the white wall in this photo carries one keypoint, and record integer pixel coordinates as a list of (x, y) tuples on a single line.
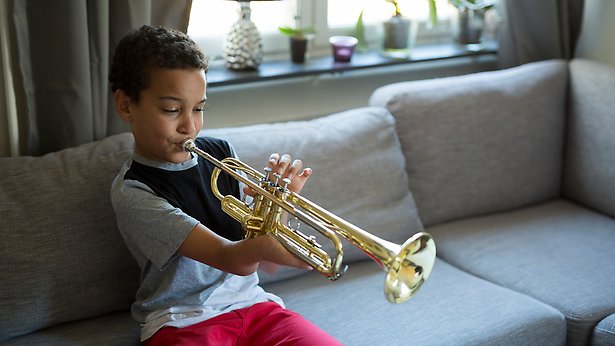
[(596, 41), (309, 97)]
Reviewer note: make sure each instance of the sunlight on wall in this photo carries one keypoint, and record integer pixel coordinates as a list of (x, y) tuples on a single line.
[(215, 17), (345, 13)]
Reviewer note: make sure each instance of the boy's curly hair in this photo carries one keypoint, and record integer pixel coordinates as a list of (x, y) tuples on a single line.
[(147, 48)]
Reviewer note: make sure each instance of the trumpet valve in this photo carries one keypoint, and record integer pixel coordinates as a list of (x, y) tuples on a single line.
[(309, 238), (277, 177), (268, 172), (285, 183)]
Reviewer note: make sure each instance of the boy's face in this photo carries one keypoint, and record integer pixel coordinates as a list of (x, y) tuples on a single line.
[(169, 111)]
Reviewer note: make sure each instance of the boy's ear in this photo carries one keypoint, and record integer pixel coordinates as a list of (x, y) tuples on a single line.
[(122, 105)]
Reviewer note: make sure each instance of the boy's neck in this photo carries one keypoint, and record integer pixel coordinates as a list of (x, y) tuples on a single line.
[(170, 166)]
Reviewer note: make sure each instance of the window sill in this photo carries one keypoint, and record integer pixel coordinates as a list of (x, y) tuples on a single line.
[(218, 75)]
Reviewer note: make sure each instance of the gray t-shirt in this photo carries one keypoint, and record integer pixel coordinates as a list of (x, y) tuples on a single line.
[(174, 290)]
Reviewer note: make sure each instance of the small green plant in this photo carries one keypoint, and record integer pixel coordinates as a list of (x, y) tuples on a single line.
[(359, 33), (397, 9), (433, 12), (297, 32)]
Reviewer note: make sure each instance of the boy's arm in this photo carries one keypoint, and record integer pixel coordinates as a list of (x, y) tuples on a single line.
[(243, 257), (237, 257)]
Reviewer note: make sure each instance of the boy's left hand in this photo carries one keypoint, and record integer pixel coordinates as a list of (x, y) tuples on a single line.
[(287, 168), (290, 169), (293, 170)]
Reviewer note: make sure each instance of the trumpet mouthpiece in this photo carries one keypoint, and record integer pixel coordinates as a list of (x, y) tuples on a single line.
[(188, 144)]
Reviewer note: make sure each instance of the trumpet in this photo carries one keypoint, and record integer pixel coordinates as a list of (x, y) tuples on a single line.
[(407, 265)]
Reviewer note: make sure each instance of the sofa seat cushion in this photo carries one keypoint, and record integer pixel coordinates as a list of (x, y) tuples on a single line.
[(558, 252), (451, 308), (590, 145), (116, 329), (63, 258), (481, 143), (604, 333), (359, 171)]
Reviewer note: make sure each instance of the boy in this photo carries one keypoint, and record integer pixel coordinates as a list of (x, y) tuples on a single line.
[(198, 276)]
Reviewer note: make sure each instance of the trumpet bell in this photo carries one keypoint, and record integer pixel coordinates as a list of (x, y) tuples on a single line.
[(410, 268)]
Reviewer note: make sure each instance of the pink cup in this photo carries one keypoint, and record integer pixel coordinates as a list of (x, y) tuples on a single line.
[(343, 47)]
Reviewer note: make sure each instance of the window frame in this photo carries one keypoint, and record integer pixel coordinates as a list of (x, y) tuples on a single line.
[(315, 13)]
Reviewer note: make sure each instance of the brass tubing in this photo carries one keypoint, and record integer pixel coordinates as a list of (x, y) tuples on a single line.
[(407, 265)]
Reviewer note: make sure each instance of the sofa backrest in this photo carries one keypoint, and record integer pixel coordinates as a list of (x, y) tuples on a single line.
[(481, 143), (590, 146), (359, 171), (63, 258)]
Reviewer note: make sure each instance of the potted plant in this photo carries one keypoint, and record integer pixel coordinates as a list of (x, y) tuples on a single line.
[(400, 31), (396, 30), (299, 38), (469, 23)]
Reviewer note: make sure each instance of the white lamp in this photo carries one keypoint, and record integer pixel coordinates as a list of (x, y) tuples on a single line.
[(243, 49)]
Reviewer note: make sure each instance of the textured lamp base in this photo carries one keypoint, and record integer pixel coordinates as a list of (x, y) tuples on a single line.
[(243, 49)]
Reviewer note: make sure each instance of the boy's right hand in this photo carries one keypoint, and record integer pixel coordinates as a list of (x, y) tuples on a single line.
[(276, 255), (241, 257)]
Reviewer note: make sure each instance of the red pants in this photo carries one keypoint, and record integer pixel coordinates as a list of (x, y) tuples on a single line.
[(260, 324)]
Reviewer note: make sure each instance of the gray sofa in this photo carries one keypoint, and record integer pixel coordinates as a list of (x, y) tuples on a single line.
[(512, 172)]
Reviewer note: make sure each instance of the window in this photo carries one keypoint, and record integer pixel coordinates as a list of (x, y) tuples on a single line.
[(342, 16), (210, 21)]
